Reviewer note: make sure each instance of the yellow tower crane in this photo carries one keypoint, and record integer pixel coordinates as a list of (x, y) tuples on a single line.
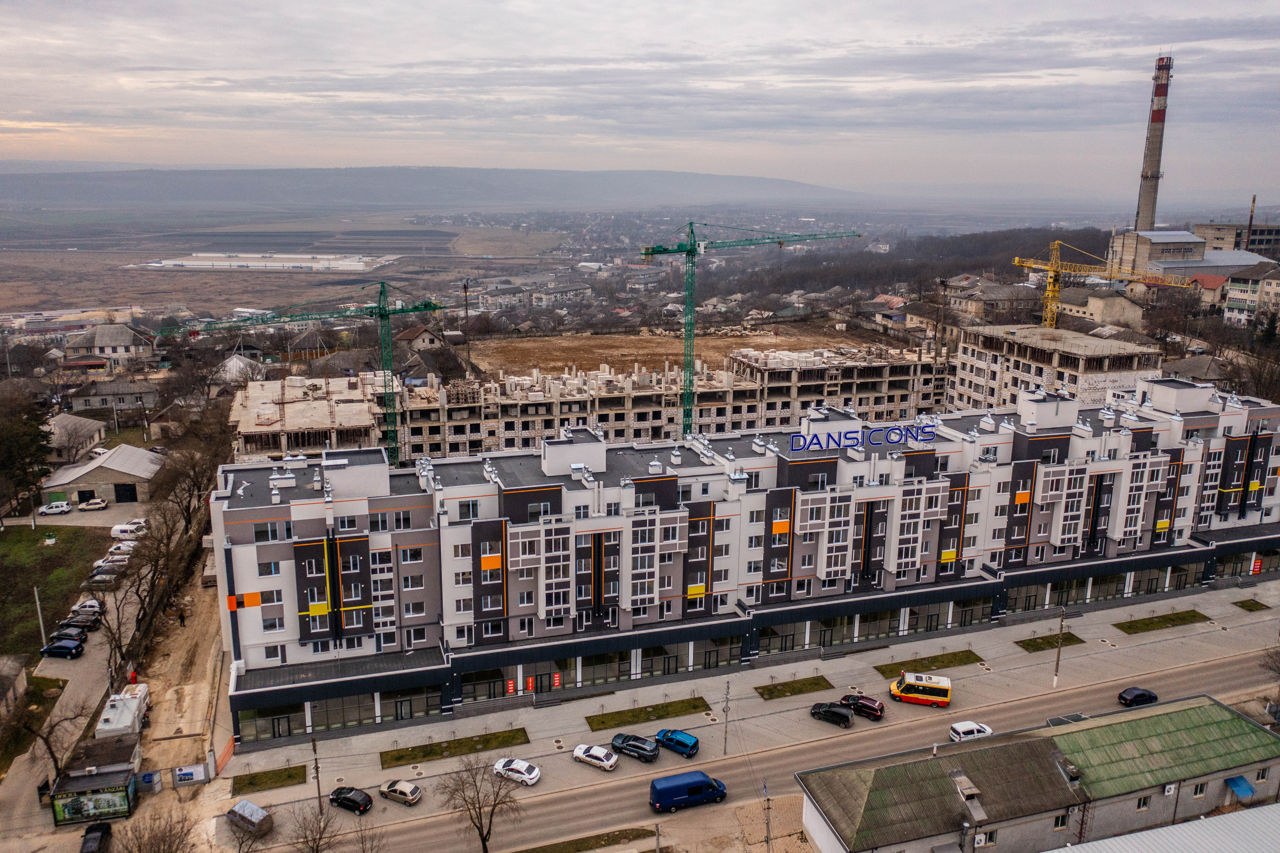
[(1055, 267)]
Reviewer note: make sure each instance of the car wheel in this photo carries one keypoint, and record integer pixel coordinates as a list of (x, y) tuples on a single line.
[(933, 704), (897, 698), (382, 794), (720, 799), (848, 724), (672, 809), (407, 803)]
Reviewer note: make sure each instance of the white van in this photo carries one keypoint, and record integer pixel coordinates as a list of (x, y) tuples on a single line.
[(969, 730)]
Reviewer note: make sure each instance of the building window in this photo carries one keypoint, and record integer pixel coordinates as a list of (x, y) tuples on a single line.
[(1144, 803), (581, 511), (351, 592), (271, 652), (318, 623), (410, 555), (377, 522), (272, 623), (402, 520), (272, 531), (492, 629), (526, 598), (320, 648), (1199, 789), (526, 625), (468, 510), (411, 582), (351, 563), (613, 508), (1261, 775), (462, 550), (462, 605), (346, 522), (1060, 822), (415, 608), (379, 558), (268, 569), (538, 510), (415, 635), (271, 596), (462, 578)]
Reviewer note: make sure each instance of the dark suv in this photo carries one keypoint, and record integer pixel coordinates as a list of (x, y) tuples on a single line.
[(864, 706), (351, 799), (832, 712), (84, 621), (636, 746)]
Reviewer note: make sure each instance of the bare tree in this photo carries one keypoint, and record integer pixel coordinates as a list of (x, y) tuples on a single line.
[(59, 732), (481, 795), (169, 831), (367, 839), (77, 437), (312, 829), (246, 841), (187, 476), (1271, 661)]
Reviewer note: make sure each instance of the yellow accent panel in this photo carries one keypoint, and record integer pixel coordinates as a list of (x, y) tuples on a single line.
[(491, 561), (697, 590), (1254, 485), (320, 608), (783, 526), (948, 556), (1162, 525)]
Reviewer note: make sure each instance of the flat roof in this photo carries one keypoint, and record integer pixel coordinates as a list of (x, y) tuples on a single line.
[(1063, 340), (334, 670)]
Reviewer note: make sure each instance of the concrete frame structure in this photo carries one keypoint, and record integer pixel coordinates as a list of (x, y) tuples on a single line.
[(523, 573)]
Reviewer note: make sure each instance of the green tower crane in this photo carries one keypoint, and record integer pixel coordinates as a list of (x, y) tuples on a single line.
[(381, 311), (691, 249)]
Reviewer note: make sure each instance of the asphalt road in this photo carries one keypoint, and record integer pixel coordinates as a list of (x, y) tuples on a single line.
[(599, 802)]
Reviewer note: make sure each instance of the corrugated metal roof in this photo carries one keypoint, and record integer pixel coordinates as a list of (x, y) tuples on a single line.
[(124, 458), (1158, 745), (1251, 829)]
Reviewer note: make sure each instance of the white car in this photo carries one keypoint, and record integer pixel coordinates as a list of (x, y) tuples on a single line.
[(86, 607), (124, 546), (92, 504), (596, 756), (969, 730), (55, 508), (98, 451), (517, 771), (111, 560), (130, 529)]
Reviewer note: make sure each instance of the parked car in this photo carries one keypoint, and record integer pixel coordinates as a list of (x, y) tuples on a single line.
[(111, 560), (124, 546), (78, 635), (969, 730), (98, 451), (96, 838), (62, 649), (87, 621), (637, 746), (400, 791), (351, 799), (1131, 696), (92, 504), (89, 605), (101, 582), (158, 449), (833, 712), (596, 756), (864, 706), (678, 741), (250, 818), (129, 529), (55, 508), (517, 771), (672, 793)]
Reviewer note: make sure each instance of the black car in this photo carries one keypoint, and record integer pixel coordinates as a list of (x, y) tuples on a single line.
[(76, 634), (636, 746), (96, 838), (863, 706), (83, 621), (1131, 696), (63, 649), (351, 799), (832, 712)]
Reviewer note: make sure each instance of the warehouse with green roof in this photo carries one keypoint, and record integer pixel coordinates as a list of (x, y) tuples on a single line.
[(1044, 788)]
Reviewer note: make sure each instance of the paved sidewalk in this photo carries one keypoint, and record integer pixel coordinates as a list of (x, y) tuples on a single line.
[(755, 724)]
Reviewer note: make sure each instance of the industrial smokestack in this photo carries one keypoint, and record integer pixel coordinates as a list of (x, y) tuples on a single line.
[(1146, 218)]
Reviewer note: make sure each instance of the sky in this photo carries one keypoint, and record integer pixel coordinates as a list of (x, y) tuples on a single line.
[(991, 97)]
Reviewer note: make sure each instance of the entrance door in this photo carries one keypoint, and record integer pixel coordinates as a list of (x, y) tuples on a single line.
[(404, 709), (931, 622), (670, 664), (966, 617), (1152, 585), (1031, 602), (85, 495), (825, 636), (126, 493), (711, 659), (280, 727), (542, 682)]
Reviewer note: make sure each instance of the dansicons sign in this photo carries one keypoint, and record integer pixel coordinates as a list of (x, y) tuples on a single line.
[(877, 436)]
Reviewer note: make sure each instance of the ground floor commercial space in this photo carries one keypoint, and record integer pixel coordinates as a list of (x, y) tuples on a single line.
[(272, 704)]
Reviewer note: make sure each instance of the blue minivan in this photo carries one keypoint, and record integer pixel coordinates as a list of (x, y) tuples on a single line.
[(672, 793), (678, 742)]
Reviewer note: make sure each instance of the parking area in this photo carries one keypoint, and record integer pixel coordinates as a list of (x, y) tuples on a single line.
[(112, 515)]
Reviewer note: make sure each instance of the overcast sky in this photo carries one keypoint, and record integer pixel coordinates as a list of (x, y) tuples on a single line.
[(855, 95)]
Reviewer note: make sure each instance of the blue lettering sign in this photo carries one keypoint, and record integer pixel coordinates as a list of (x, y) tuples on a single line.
[(867, 436)]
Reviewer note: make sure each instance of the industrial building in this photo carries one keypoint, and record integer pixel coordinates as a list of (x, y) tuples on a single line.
[(522, 573), (1052, 787), (995, 363), (272, 262), (1263, 239)]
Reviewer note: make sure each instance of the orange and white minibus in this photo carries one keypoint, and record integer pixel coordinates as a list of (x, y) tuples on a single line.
[(933, 690)]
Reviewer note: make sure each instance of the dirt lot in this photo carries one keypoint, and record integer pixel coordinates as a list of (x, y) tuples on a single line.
[(621, 352)]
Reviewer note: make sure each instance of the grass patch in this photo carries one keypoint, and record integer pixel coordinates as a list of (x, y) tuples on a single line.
[(449, 748), (1049, 641), (647, 713), (1252, 605), (1156, 623), (594, 842), (128, 435), (265, 780), (58, 569), (33, 709), (928, 664), (794, 688)]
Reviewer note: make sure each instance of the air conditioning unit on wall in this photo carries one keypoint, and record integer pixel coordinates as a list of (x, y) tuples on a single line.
[(980, 839), (1169, 790)]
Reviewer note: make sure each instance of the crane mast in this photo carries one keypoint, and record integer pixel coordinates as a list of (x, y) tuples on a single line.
[(691, 248)]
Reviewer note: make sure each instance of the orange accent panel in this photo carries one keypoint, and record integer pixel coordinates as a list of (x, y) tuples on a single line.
[(491, 561), (1022, 498), (783, 526), (231, 603), (253, 599)]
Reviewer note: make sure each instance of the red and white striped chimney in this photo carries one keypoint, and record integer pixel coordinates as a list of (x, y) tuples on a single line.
[(1150, 185)]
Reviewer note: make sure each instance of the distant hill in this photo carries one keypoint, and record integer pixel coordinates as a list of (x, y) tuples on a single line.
[(391, 187)]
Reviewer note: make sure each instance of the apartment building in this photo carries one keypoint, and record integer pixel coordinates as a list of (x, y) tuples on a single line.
[(1264, 239), (363, 595), (1252, 291), (752, 390), (995, 363)]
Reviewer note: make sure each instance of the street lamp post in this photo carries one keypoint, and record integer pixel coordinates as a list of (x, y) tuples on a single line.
[(1062, 616)]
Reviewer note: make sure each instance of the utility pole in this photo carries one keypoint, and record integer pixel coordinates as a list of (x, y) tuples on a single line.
[(315, 763), (726, 718), (40, 615), (1057, 662), (768, 827), (657, 838)]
